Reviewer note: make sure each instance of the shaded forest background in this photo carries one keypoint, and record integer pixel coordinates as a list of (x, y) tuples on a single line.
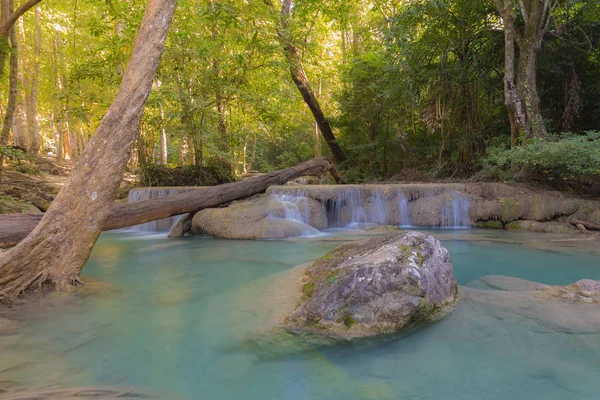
[(413, 90)]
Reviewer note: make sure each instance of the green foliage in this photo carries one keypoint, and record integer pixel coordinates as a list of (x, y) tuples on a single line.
[(565, 157)]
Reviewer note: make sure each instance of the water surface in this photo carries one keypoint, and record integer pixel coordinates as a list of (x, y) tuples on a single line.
[(169, 321)]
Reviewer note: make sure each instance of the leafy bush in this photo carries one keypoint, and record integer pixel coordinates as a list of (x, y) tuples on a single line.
[(563, 157)]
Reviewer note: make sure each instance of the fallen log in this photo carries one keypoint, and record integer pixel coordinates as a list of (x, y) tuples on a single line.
[(15, 227)]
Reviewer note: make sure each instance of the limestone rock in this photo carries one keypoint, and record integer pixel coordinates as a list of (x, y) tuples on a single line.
[(379, 286), (254, 218), (542, 227)]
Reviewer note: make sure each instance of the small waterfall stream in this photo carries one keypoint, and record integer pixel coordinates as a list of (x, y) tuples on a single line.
[(455, 212), (296, 208), (403, 210), (149, 193)]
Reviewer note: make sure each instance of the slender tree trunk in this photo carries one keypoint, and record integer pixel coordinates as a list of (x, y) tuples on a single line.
[(164, 156), (32, 112), (20, 128), (8, 19), (300, 79), (58, 248), (11, 107)]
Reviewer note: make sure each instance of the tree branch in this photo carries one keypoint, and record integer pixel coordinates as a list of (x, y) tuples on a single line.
[(5, 28)]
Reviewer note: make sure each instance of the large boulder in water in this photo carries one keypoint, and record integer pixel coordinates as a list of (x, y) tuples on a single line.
[(374, 287), (259, 217)]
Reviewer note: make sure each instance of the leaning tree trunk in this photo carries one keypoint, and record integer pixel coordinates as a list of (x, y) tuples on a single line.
[(55, 252), (14, 227), (300, 79)]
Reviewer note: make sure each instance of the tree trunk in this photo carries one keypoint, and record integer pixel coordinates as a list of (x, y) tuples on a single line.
[(20, 128), (58, 248), (11, 107), (8, 20), (32, 113), (522, 99), (300, 79), (14, 228), (527, 88), (164, 155)]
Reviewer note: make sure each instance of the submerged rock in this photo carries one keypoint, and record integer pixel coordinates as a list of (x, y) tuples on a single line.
[(570, 309), (379, 286)]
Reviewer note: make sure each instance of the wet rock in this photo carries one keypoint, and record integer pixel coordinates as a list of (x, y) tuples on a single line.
[(254, 218), (182, 226), (379, 286), (542, 227)]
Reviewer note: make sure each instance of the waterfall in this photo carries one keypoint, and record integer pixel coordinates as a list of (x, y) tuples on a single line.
[(455, 212), (347, 209), (296, 208), (378, 210), (162, 225), (403, 210)]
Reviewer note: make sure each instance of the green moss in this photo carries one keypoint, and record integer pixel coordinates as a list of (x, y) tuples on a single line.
[(404, 248), (348, 320), (420, 258), (308, 289), (491, 224)]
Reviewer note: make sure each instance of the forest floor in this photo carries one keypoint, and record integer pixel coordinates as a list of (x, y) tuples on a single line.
[(30, 187)]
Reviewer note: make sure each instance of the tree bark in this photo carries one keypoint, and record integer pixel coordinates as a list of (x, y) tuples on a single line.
[(164, 155), (57, 249), (11, 107), (14, 228), (301, 80), (32, 112), (20, 128), (8, 20), (522, 99)]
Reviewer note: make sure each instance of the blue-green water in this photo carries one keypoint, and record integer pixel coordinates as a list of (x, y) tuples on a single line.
[(173, 324)]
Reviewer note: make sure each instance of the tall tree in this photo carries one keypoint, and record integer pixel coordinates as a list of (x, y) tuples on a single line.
[(32, 112), (8, 20), (521, 94), (56, 251), (301, 80)]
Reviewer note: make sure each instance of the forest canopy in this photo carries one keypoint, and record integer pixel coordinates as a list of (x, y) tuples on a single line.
[(410, 90)]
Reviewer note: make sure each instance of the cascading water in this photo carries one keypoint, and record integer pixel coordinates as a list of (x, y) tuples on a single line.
[(378, 208), (403, 210), (163, 225), (455, 212), (347, 209), (296, 208)]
